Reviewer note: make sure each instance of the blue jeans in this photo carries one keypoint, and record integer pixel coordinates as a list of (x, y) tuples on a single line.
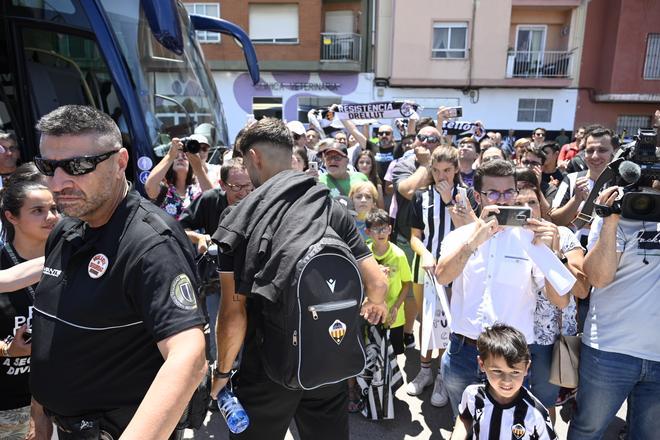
[(539, 373), (459, 368), (606, 380)]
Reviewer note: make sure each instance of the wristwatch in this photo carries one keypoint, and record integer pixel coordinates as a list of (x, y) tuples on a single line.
[(561, 256), (217, 374)]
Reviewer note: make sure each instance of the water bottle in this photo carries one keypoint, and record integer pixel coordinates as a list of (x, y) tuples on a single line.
[(233, 412)]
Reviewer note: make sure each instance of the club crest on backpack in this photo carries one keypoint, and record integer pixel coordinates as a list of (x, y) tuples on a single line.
[(518, 430), (337, 331)]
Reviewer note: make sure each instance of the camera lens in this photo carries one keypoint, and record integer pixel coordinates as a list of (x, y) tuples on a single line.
[(642, 204), (191, 145)]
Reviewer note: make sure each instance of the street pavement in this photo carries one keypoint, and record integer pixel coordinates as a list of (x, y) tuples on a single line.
[(415, 417)]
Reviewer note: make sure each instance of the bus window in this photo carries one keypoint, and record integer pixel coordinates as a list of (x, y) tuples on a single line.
[(68, 69)]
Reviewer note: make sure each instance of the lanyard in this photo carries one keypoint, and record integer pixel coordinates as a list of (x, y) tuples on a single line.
[(14, 259)]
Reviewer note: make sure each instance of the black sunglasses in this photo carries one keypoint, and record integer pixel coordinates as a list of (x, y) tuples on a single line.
[(75, 166), (429, 139)]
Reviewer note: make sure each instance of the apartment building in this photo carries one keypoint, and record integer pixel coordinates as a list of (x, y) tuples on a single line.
[(620, 76), (510, 63), (312, 53)]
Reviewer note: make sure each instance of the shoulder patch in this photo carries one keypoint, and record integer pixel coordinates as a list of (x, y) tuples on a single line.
[(182, 292)]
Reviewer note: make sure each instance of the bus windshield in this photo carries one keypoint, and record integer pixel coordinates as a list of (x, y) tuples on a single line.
[(176, 92)]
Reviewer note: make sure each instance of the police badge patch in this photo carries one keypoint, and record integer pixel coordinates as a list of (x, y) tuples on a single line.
[(183, 293), (337, 331), (518, 431)]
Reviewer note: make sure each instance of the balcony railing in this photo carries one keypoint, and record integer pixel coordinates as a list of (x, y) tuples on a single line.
[(341, 47), (537, 64)]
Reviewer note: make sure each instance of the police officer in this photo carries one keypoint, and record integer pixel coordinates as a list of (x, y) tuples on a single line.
[(118, 347)]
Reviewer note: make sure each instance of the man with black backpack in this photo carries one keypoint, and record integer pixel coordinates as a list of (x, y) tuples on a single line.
[(292, 267)]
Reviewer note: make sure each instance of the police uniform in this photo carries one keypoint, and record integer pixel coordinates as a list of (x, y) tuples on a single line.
[(106, 297)]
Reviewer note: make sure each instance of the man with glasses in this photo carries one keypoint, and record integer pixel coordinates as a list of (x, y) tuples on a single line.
[(493, 278), (118, 347), (201, 219), (9, 155), (338, 178)]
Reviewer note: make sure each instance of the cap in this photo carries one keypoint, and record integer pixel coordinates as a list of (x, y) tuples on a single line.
[(199, 138), (296, 127), (335, 146)]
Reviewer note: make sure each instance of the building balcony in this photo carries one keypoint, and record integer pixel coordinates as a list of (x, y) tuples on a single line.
[(539, 64), (341, 47)]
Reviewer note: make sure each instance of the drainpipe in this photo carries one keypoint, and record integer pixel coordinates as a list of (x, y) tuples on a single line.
[(470, 57)]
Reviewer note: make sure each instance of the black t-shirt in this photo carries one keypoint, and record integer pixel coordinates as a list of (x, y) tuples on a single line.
[(344, 225), (204, 212), (15, 310), (384, 156), (106, 297)]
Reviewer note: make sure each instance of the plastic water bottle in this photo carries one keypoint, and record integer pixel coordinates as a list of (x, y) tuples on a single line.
[(233, 412)]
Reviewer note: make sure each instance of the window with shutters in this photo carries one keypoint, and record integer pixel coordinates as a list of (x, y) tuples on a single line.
[(274, 23), (652, 63)]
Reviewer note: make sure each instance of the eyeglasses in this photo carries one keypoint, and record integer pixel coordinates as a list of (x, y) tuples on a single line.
[(239, 188), (430, 139), (539, 134), (381, 230), (75, 166), (530, 163), (493, 195), (384, 133)]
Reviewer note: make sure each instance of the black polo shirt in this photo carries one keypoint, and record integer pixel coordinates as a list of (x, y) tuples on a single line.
[(204, 212), (106, 297)]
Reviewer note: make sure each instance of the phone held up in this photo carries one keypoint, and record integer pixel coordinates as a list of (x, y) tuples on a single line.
[(513, 215)]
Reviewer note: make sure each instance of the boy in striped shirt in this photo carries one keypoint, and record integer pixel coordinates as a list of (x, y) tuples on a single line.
[(502, 408)]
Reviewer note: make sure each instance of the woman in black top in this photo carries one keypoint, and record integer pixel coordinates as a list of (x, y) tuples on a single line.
[(28, 214)]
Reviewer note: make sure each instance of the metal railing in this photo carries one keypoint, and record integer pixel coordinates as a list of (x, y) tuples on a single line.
[(538, 64), (341, 47)]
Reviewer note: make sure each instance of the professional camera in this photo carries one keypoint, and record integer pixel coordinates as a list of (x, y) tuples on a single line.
[(190, 145), (635, 167)]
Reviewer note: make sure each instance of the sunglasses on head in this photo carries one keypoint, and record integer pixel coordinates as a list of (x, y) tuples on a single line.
[(430, 139), (75, 166)]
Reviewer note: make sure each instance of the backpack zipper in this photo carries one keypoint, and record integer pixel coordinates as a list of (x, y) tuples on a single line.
[(331, 307)]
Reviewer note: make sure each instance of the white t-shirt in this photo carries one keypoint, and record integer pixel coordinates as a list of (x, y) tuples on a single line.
[(499, 283), (524, 418), (623, 316)]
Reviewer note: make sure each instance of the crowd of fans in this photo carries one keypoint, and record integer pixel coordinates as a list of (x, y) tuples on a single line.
[(423, 202)]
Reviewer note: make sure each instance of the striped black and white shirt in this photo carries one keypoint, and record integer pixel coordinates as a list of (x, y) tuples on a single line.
[(431, 215), (524, 418)]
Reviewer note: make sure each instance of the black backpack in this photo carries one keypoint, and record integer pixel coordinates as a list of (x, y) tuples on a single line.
[(312, 336)]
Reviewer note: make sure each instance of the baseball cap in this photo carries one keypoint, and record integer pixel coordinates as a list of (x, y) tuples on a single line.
[(199, 138), (335, 146), (296, 127)]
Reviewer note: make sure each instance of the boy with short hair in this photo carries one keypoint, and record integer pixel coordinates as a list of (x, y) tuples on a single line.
[(393, 261), (502, 406)]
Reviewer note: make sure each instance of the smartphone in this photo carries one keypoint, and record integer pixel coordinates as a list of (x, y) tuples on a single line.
[(314, 166), (27, 336), (513, 215), (455, 112), (464, 198)]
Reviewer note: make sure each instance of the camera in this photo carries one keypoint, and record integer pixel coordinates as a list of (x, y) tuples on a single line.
[(190, 145), (636, 166)]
